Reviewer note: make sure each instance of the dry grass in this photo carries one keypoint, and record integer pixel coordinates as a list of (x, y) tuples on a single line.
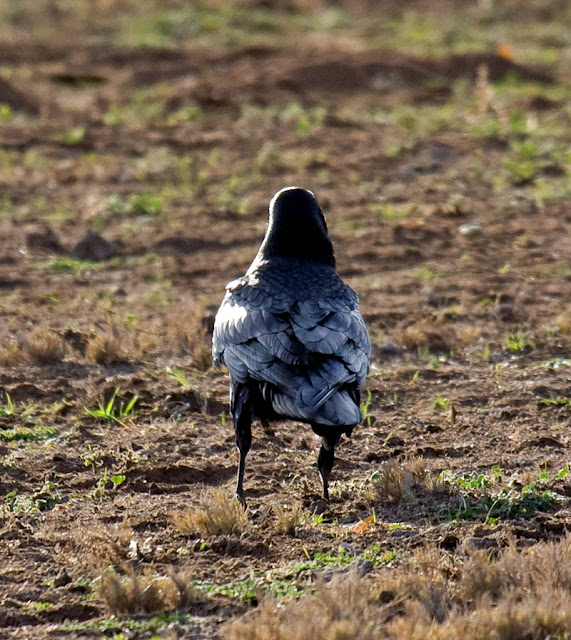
[(11, 354), (217, 514), (202, 355), (563, 323), (425, 334), (343, 610), (397, 482), (544, 565), (468, 333), (523, 595), (136, 593), (44, 346), (103, 348), (288, 518), (110, 545), (189, 328)]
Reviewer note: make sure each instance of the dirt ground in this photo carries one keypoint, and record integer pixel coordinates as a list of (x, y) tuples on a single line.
[(439, 147)]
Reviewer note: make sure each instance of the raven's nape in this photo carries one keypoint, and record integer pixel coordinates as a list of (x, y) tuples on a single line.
[(297, 228)]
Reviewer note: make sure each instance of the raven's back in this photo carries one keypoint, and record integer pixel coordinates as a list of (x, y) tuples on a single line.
[(291, 329)]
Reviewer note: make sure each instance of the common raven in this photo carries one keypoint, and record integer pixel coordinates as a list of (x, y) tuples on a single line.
[(291, 335)]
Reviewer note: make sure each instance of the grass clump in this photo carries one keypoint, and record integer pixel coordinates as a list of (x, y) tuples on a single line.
[(146, 204), (44, 346), (478, 497), (11, 354), (189, 329), (146, 592), (521, 594), (26, 434), (425, 335), (111, 545), (396, 482), (8, 408), (522, 162), (288, 518), (515, 342), (343, 609), (103, 348), (73, 136), (217, 514), (111, 412)]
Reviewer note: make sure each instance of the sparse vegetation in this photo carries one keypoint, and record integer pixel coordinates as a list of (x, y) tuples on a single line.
[(11, 354), (27, 434), (436, 138), (288, 518), (113, 411), (146, 204), (146, 592), (103, 348), (44, 346), (400, 482), (515, 342), (217, 514), (519, 595)]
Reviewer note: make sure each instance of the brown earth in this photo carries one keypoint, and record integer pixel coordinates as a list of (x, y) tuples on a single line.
[(440, 300)]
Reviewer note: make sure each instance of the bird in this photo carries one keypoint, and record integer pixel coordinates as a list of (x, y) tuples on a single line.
[(291, 335)]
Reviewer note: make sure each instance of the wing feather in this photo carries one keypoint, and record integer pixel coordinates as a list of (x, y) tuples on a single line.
[(309, 351)]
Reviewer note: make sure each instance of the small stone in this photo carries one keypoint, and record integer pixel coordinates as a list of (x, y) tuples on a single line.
[(93, 247), (471, 229), (62, 579), (403, 533), (47, 240), (471, 544), (433, 299), (317, 507), (505, 307), (390, 351), (449, 542), (364, 567)]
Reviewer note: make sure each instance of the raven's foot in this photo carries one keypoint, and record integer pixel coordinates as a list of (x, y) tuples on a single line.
[(241, 499)]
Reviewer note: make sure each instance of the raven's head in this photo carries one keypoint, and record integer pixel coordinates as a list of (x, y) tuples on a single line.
[(297, 228)]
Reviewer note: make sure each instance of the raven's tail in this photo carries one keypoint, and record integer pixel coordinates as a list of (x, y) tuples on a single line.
[(338, 410)]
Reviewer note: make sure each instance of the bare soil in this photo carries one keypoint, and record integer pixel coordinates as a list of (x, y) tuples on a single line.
[(440, 299)]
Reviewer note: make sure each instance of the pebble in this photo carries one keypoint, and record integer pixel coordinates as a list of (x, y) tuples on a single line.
[(364, 567), (46, 240), (93, 247), (505, 307), (471, 229), (473, 544), (62, 579), (317, 507), (389, 350), (403, 533)]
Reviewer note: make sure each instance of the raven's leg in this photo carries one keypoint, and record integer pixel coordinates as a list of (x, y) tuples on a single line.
[(242, 412), (326, 460), (243, 442)]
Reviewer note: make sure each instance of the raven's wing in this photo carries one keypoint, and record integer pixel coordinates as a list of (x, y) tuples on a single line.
[(305, 350)]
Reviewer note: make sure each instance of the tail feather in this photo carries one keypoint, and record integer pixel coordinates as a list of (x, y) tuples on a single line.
[(338, 410)]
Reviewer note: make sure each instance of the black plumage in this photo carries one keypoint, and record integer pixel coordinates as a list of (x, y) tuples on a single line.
[(291, 335)]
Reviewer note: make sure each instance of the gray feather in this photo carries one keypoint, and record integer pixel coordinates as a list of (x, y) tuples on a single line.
[(296, 327)]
